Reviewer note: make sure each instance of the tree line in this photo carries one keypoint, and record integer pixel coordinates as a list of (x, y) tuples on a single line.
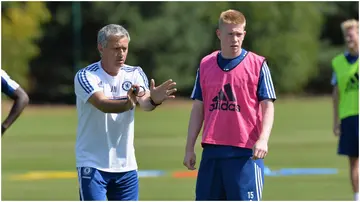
[(45, 43)]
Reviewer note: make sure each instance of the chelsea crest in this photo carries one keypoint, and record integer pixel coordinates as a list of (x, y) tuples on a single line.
[(126, 85)]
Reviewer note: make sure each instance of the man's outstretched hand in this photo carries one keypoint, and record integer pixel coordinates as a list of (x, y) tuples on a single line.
[(162, 92)]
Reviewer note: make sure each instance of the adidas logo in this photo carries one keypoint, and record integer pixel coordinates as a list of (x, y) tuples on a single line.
[(353, 83), (224, 101), (100, 84)]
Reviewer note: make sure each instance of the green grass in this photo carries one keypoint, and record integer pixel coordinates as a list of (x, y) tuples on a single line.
[(43, 139)]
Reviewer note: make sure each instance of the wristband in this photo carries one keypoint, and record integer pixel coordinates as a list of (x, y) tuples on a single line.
[(3, 129), (153, 103)]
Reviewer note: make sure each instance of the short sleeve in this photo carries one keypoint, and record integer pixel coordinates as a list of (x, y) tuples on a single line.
[(85, 84), (265, 86), (333, 79), (141, 79), (197, 92), (8, 86)]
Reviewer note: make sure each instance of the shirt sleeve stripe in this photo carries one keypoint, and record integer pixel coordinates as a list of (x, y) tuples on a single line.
[(129, 69), (93, 67), (268, 82), (80, 81), (271, 83), (88, 85), (144, 77), (195, 85), (84, 82)]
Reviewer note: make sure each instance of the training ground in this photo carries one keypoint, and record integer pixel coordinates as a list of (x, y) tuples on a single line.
[(38, 160)]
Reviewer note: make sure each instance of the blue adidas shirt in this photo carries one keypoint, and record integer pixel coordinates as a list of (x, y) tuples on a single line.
[(265, 90)]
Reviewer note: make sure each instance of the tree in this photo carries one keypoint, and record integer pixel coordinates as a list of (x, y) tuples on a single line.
[(168, 40), (288, 39), (21, 26)]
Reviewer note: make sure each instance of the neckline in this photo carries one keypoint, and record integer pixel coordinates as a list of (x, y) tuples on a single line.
[(243, 55)]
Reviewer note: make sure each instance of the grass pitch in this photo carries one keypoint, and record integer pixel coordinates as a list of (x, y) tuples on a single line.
[(43, 140)]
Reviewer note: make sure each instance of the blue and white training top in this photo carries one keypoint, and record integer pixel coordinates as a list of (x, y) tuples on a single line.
[(105, 141)]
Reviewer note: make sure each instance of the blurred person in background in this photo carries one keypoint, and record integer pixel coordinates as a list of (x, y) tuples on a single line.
[(345, 83), (107, 92), (233, 96), (21, 99)]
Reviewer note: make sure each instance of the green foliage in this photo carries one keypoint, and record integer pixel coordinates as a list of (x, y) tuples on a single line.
[(176, 42), (21, 25), (168, 40), (288, 39)]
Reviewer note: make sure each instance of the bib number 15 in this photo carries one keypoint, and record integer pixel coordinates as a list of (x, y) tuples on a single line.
[(250, 195)]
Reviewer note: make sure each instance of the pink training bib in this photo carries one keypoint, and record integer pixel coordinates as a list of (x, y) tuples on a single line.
[(232, 114)]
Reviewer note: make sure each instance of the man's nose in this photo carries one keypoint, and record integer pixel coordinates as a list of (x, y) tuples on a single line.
[(120, 53), (235, 38)]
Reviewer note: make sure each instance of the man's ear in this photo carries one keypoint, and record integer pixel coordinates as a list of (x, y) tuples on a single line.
[(218, 33), (100, 49)]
